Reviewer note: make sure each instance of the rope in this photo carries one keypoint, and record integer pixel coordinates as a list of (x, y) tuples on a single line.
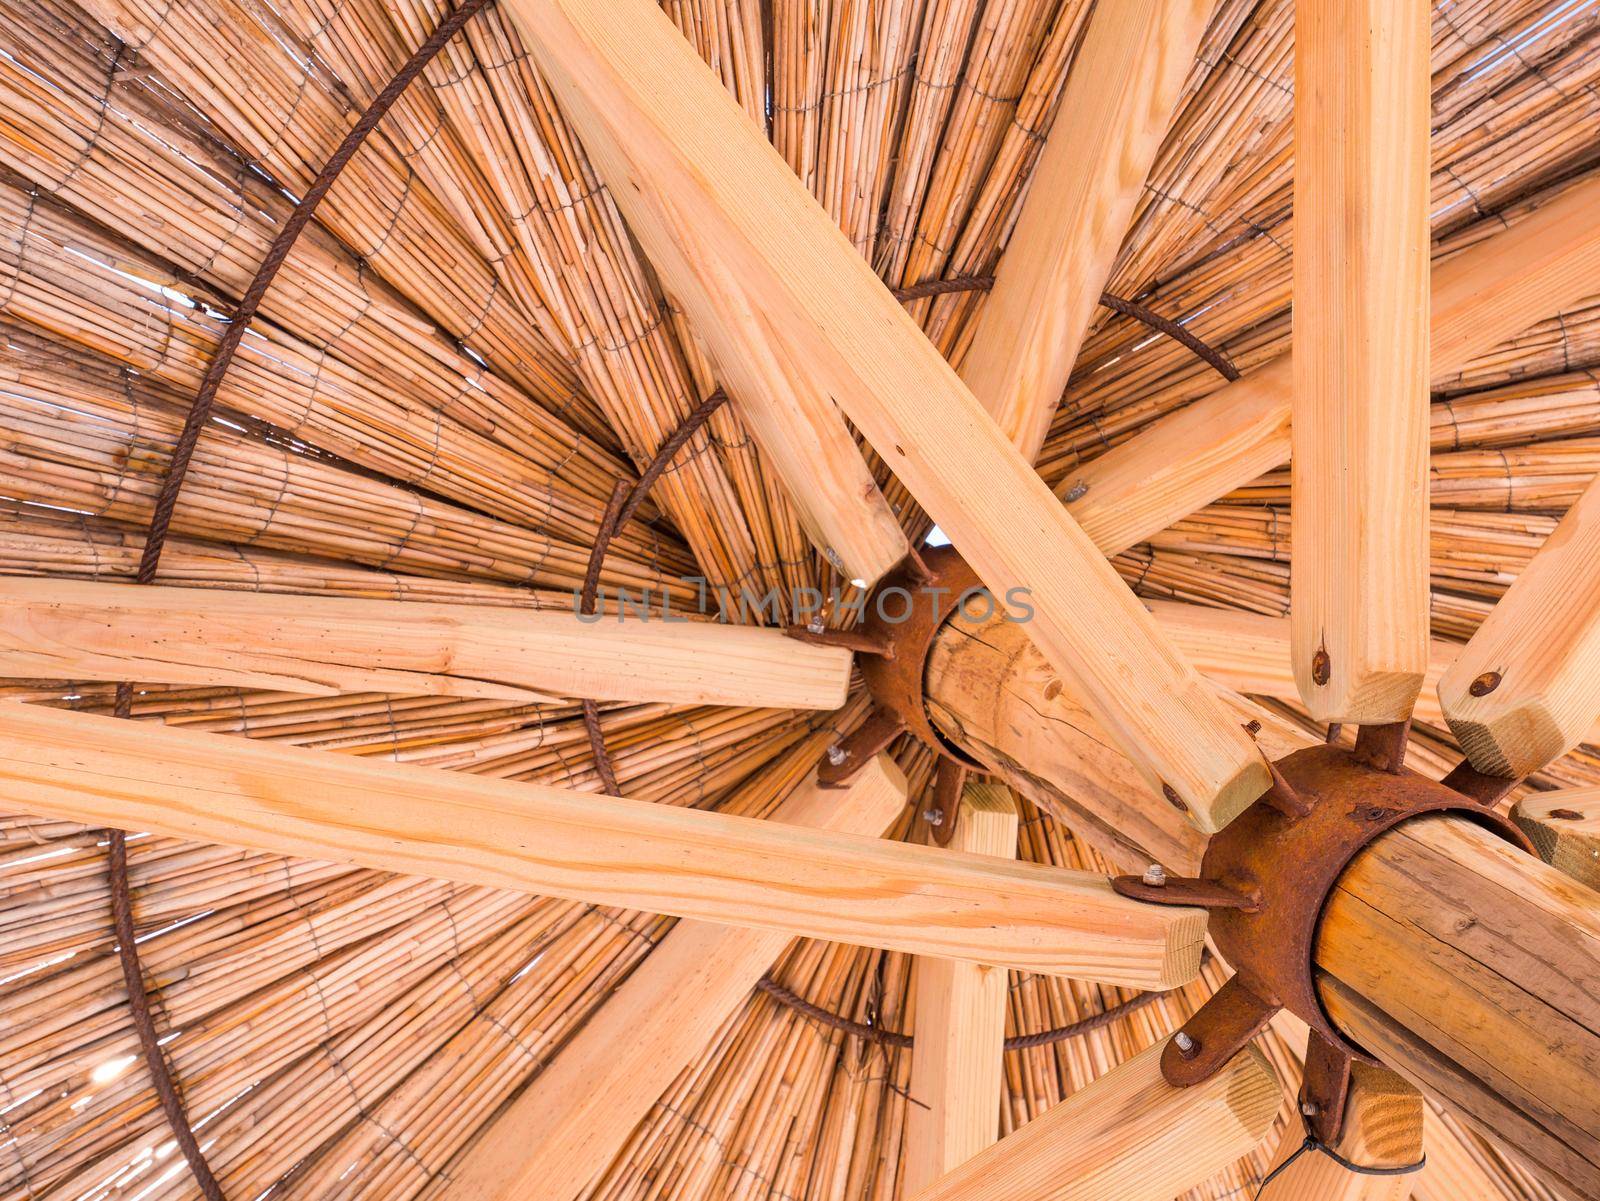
[(155, 541), (625, 501), (1218, 361)]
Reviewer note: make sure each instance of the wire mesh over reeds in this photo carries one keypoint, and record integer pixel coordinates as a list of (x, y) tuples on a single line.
[(462, 356)]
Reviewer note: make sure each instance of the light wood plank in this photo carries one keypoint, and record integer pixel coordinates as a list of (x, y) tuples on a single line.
[(1249, 653), (1481, 296), (589, 847), (1359, 568), (1526, 689), (1116, 106), (1565, 828), (1130, 1136), (689, 169), (578, 1112), (83, 630), (957, 1077), (1383, 1128)]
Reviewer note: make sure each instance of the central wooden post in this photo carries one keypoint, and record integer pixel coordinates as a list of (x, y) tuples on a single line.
[(1464, 964)]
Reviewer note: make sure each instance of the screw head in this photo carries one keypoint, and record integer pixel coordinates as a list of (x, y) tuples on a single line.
[(1566, 815), (934, 817), (1485, 684), (837, 754), (1321, 666), (1079, 489), (1173, 799), (1155, 876)]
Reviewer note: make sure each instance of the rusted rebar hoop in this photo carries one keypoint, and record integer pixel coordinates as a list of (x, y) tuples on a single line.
[(199, 414)]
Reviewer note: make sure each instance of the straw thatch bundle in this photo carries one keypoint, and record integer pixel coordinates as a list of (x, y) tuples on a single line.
[(463, 355)]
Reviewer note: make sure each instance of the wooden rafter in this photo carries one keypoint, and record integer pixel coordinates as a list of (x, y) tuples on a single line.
[(1129, 1135), (1118, 101), (688, 167), (1359, 567), (1565, 828), (1382, 1129), (957, 1077), (578, 1112), (583, 846), (76, 630)]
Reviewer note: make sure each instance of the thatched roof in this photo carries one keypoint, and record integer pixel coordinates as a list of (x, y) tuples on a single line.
[(462, 356)]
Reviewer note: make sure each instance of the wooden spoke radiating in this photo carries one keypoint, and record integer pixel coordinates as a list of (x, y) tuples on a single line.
[(689, 169), (1565, 827), (1129, 1135), (1383, 1129), (1542, 265), (957, 1077), (75, 630), (1125, 79), (578, 1112), (588, 847), (1359, 580), (1526, 689)]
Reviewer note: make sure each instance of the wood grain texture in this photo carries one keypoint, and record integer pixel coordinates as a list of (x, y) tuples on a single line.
[(1359, 566), (689, 168), (578, 1112), (589, 847), (1564, 826), (1383, 1128), (957, 1076), (1480, 297), (82, 630), (1526, 689), (1249, 653), (1116, 106), (1130, 1136), (1473, 969)]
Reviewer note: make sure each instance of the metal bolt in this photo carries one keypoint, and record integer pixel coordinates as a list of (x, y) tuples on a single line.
[(1321, 666), (1155, 876), (1309, 1109), (1078, 491), (1485, 684), (1187, 1047), (1566, 815), (934, 817), (837, 754), (815, 626)]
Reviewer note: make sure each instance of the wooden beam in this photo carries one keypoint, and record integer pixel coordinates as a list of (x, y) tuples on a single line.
[(1481, 296), (1116, 106), (1383, 1128), (1130, 1136), (957, 1065), (1526, 689), (82, 630), (1469, 967), (1359, 565), (589, 847), (689, 169), (579, 1110), (1249, 653), (1565, 828)]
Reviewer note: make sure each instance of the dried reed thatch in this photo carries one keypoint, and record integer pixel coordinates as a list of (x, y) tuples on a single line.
[(462, 356)]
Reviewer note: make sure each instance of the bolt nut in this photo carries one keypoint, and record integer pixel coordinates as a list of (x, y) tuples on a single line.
[(815, 626), (837, 754), (1187, 1047), (934, 817), (1309, 1109), (1155, 876)]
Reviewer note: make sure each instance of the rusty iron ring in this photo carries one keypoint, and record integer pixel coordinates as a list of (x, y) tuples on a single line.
[(1267, 878)]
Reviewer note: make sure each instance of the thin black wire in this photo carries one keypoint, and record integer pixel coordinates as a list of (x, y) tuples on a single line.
[(1312, 1143)]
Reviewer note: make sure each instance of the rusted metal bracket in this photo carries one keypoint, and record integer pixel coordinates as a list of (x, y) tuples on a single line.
[(858, 641), (1471, 783), (1266, 879), (944, 809), (849, 755), (1324, 1089)]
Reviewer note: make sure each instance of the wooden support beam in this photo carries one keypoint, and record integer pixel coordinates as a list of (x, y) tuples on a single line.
[(1359, 569), (1130, 1136), (589, 847), (1480, 297), (1469, 967), (1249, 653), (957, 1065), (578, 1111), (1383, 1128), (691, 171), (1117, 104), (1565, 828), (82, 630), (1526, 689)]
